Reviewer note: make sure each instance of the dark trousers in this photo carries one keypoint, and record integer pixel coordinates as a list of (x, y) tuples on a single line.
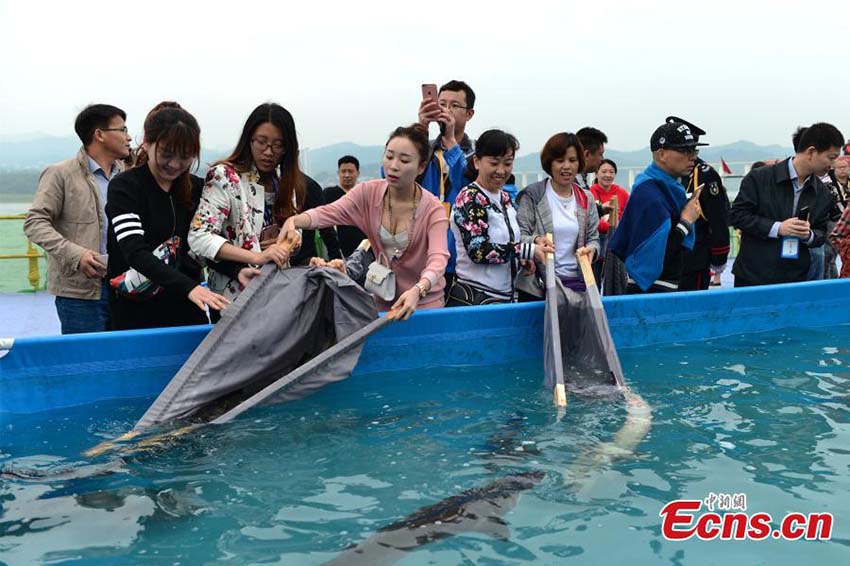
[(633, 289), (695, 280), (744, 283), (167, 309)]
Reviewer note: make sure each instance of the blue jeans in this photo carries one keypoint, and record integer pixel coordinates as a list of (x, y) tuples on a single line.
[(816, 267), (81, 315)]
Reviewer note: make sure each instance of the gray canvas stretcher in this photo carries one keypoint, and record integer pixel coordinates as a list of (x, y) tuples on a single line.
[(291, 332)]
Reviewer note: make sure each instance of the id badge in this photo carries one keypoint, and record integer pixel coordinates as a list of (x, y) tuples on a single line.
[(790, 247)]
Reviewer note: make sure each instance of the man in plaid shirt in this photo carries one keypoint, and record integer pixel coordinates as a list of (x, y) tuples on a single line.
[(840, 240)]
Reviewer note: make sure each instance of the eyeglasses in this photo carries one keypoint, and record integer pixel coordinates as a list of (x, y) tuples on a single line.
[(685, 150), (124, 129), (262, 145), (452, 106)]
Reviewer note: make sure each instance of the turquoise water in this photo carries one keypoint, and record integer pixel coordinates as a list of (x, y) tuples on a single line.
[(767, 415)]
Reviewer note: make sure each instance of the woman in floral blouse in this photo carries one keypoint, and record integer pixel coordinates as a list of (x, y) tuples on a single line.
[(246, 197), (484, 224)]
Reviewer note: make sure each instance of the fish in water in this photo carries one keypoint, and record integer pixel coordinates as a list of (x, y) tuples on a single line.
[(474, 510)]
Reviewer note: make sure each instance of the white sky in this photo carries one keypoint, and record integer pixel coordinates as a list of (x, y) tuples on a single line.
[(351, 71)]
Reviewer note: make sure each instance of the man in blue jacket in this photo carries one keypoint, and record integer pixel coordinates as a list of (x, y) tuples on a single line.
[(658, 221), (444, 176)]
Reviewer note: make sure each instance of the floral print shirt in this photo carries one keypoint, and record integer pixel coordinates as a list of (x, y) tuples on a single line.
[(471, 215), (230, 211)]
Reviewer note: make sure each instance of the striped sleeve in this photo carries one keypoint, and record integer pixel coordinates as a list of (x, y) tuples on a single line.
[(122, 208), (127, 224)]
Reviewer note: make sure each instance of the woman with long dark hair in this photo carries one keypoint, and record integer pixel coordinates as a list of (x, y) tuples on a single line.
[(153, 280), (247, 197), (406, 225)]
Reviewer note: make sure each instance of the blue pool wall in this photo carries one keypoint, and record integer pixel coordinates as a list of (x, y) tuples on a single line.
[(40, 374)]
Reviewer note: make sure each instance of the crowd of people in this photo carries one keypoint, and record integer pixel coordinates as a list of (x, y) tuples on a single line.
[(135, 240)]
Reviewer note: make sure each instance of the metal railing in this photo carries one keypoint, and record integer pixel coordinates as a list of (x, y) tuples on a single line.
[(32, 255), (524, 178), (739, 170)]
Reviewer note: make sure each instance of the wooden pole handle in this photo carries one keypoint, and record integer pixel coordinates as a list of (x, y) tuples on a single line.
[(292, 241), (393, 314), (586, 271), (560, 395), (109, 445), (614, 215)]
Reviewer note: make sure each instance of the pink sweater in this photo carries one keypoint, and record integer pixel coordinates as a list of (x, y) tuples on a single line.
[(427, 253)]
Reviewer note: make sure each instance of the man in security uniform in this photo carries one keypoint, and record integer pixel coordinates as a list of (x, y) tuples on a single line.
[(711, 247)]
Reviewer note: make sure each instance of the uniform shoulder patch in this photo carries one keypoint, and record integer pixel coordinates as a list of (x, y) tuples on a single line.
[(714, 188)]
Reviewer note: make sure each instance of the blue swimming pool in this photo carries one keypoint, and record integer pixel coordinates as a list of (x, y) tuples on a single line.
[(764, 414)]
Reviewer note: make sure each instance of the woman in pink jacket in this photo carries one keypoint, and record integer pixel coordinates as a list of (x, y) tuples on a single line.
[(403, 222)]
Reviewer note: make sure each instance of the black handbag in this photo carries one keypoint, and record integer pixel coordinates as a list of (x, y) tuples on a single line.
[(464, 294)]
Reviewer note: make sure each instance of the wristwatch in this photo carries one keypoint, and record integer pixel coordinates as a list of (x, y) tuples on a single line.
[(422, 290)]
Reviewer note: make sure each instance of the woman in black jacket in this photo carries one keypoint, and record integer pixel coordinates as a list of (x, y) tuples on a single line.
[(149, 209)]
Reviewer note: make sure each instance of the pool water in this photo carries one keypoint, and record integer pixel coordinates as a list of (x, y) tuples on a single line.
[(767, 415)]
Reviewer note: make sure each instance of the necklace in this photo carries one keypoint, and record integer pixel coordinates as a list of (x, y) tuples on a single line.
[(565, 201), (399, 250)]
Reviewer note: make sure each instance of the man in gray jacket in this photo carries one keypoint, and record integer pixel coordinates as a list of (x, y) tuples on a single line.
[(67, 219)]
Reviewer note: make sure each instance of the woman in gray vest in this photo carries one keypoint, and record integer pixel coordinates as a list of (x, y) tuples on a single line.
[(559, 206)]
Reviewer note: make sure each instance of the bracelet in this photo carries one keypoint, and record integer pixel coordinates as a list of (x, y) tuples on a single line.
[(422, 290)]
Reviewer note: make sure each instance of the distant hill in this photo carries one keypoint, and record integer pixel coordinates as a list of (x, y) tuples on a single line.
[(21, 160), (39, 152), (737, 151), (322, 161)]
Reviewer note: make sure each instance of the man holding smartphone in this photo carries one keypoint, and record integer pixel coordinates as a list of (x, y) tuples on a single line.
[(68, 221), (711, 247), (782, 210), (452, 109)]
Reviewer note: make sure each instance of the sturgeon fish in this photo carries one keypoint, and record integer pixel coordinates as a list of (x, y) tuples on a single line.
[(477, 510)]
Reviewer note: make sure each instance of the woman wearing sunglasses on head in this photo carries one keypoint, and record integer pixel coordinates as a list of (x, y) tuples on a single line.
[(406, 226)]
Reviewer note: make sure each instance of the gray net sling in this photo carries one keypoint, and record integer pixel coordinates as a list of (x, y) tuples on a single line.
[(291, 332), (588, 357)]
